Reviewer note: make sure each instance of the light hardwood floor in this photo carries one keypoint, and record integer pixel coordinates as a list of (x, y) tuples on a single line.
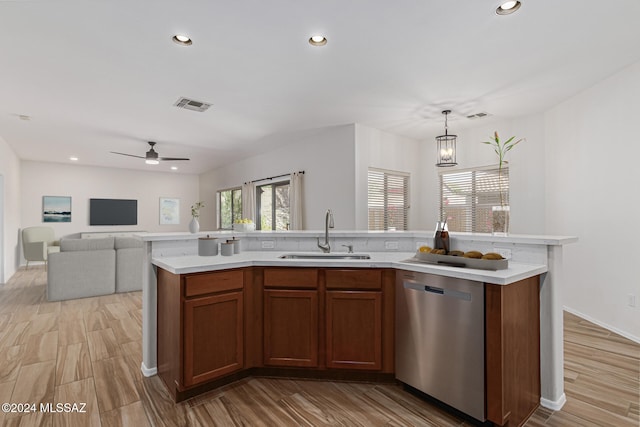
[(89, 351)]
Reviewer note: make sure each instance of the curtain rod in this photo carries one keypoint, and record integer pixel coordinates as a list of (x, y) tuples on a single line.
[(273, 177)]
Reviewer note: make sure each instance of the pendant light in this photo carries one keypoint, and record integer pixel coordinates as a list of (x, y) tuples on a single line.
[(446, 145)]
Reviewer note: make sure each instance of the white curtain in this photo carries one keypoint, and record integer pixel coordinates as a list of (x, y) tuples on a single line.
[(295, 201), (249, 201)]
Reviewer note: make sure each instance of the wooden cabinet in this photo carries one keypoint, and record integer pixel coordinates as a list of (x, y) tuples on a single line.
[(512, 340), (291, 317), (213, 337), (200, 327), (328, 318), (353, 312), (291, 328), (354, 329)]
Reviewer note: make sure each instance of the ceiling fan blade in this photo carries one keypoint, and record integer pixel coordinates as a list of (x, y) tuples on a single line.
[(173, 158), (125, 154)]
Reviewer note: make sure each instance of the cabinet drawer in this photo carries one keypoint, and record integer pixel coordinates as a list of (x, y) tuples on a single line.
[(306, 278), (354, 279), (200, 284)]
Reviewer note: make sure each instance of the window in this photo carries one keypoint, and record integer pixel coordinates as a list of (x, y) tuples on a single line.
[(388, 199), (230, 207), (467, 197), (272, 205)]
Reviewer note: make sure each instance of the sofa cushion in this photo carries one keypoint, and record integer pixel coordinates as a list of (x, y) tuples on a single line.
[(80, 274), (129, 269), (73, 245), (128, 242)]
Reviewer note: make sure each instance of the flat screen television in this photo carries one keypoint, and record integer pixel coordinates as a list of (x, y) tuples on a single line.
[(113, 212)]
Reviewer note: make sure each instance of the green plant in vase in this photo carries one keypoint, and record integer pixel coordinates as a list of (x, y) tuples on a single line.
[(195, 209), (500, 214)]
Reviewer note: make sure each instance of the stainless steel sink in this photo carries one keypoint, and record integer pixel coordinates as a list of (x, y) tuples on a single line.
[(325, 256)]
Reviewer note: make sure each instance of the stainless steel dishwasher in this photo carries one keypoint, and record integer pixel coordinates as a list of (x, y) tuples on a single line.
[(440, 339)]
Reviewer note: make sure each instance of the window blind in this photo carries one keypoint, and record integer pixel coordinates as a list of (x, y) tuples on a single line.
[(467, 197), (388, 199)]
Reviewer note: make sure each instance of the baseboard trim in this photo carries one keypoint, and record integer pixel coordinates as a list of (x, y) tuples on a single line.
[(627, 335), (148, 372), (554, 405)]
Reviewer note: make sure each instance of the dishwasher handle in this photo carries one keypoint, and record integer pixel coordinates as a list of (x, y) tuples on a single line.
[(424, 288), (435, 290)]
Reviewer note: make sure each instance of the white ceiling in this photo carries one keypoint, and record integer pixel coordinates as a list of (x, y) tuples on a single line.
[(102, 75)]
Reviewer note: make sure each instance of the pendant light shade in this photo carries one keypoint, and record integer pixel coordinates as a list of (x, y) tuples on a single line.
[(446, 145)]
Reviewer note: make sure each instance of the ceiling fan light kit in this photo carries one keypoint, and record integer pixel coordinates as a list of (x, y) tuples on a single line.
[(151, 157)]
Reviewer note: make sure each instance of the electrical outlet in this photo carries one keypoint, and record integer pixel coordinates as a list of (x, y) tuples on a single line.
[(268, 244), (391, 245), (631, 300), (506, 253)]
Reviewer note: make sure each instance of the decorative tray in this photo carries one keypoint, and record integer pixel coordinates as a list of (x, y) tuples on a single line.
[(459, 261)]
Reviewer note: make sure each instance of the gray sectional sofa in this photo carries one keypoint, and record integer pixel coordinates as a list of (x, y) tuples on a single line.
[(92, 267)]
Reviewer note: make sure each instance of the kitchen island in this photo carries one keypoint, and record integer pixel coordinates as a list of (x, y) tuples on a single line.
[(531, 255)]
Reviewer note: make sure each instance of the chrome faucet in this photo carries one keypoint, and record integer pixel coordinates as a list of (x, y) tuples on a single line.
[(328, 223)]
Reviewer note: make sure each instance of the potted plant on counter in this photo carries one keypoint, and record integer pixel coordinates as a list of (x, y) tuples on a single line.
[(194, 225), (500, 214)]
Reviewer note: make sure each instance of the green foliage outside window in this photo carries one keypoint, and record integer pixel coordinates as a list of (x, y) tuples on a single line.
[(230, 207)]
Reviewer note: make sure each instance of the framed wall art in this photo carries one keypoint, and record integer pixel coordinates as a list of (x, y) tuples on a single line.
[(56, 209), (169, 211)]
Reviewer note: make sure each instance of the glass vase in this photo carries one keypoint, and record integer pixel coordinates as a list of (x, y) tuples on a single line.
[(500, 220)]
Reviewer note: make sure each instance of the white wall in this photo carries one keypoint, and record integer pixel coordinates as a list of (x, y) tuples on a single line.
[(9, 235), (383, 150), (526, 169), (592, 184), (82, 183), (326, 155)]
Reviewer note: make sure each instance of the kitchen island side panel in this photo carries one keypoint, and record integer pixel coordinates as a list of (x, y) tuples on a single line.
[(512, 319), (169, 327)]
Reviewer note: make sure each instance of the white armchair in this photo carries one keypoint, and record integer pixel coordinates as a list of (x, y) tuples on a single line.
[(38, 243)]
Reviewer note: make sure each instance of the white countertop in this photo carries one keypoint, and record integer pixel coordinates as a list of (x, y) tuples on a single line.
[(197, 264)]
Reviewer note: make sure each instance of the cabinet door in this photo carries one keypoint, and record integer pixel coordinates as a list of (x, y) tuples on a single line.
[(291, 327), (354, 329), (213, 337)]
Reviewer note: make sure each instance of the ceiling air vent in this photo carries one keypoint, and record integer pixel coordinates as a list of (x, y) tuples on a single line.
[(191, 104), (478, 116)]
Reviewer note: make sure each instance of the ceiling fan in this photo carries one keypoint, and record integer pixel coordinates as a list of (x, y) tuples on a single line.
[(151, 157)]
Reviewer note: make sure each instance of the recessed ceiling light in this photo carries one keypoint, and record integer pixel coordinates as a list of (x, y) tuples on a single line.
[(183, 40), (174, 168), (317, 40), (73, 158), (508, 7)]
